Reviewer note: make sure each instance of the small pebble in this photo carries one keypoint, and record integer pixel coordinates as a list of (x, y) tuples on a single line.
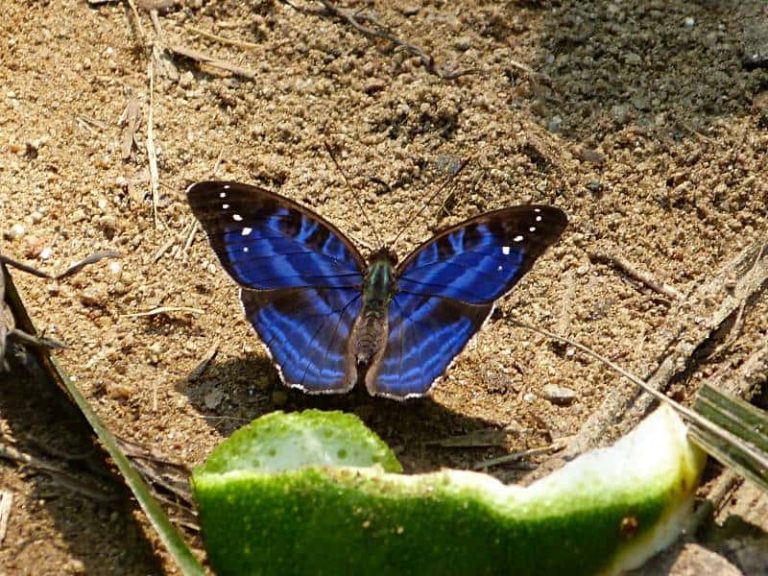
[(186, 80), (92, 296), (15, 231), (46, 253), (463, 43), (213, 399), (373, 85), (559, 395)]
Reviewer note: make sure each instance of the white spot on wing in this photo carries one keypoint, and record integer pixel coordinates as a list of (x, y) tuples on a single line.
[(246, 231), (500, 268), (237, 218), (222, 194), (537, 210), (227, 186), (532, 228), (246, 249), (518, 238), (538, 218), (505, 250), (225, 206)]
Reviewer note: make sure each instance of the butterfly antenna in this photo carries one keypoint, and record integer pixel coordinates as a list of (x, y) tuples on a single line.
[(415, 214), (355, 196)]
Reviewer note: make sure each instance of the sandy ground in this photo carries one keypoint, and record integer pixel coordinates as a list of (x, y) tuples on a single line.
[(639, 119)]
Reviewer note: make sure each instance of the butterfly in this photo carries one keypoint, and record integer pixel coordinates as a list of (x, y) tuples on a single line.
[(329, 318)]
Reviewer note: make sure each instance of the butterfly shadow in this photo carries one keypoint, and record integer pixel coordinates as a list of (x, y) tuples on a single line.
[(233, 392)]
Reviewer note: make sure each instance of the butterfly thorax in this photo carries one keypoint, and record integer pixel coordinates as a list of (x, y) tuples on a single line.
[(379, 286)]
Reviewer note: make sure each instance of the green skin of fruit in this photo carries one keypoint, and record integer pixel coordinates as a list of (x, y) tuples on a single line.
[(362, 521)]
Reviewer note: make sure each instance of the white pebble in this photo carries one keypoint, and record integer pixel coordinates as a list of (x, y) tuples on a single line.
[(16, 231)]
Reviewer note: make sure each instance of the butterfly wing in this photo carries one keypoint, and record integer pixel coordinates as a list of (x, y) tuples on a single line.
[(447, 287), (300, 279)]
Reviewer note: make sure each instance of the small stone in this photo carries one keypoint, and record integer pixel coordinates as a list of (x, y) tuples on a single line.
[(36, 217), (689, 22), (594, 186), (633, 59), (463, 43), (119, 392), (16, 231), (78, 215), (92, 296), (559, 395), (555, 124), (373, 85), (33, 247), (411, 10), (46, 253), (186, 80), (156, 348), (213, 399)]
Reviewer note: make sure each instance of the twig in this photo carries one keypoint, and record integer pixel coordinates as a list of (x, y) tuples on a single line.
[(136, 21), (641, 276), (6, 501), (190, 237), (515, 456), (151, 152), (211, 61), (222, 40), (378, 31), (163, 310), (73, 269), (57, 473)]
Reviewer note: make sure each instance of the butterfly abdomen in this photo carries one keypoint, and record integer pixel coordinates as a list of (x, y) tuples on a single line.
[(371, 329), (370, 334)]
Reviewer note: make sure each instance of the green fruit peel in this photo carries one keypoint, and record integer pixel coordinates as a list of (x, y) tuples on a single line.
[(319, 493)]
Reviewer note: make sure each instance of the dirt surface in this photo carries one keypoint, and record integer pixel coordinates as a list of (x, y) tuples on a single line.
[(640, 119)]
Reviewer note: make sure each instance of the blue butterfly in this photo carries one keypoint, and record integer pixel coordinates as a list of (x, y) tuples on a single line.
[(329, 319)]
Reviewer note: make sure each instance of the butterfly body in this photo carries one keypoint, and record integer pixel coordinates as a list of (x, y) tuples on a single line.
[(330, 319)]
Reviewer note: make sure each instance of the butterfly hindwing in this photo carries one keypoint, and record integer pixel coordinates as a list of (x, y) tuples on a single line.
[(447, 288), (425, 334), (300, 279), (307, 333)]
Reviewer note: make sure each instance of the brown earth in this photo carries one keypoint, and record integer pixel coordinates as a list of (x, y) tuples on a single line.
[(640, 119)]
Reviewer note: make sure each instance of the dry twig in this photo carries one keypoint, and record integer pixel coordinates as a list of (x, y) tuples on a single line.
[(633, 272), (377, 31), (203, 58)]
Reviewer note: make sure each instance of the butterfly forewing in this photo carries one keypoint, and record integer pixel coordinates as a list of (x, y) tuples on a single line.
[(447, 288), (481, 259), (266, 241), (300, 279)]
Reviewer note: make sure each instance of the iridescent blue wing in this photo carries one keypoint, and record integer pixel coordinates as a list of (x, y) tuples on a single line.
[(447, 287), (300, 279)]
